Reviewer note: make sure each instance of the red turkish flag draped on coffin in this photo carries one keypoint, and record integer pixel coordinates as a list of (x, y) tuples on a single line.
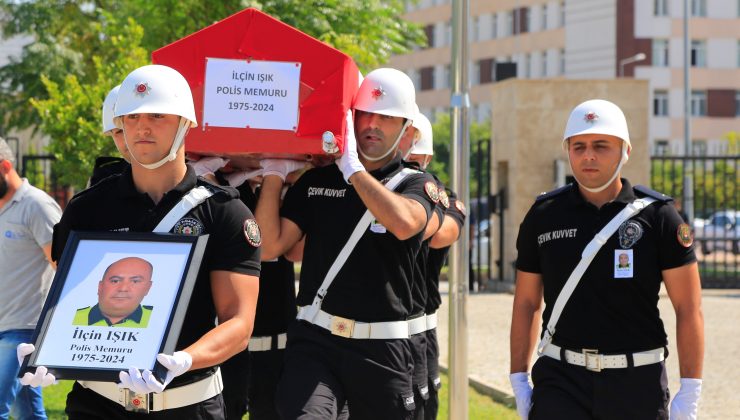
[(262, 87)]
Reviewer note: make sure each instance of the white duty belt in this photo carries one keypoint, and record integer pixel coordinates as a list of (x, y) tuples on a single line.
[(595, 362), (268, 342), (170, 398), (345, 327), (588, 255)]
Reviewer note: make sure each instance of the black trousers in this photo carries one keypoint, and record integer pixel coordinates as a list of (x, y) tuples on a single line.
[(84, 404), (323, 372), (435, 383), (420, 378), (564, 391), (235, 373), (266, 370)]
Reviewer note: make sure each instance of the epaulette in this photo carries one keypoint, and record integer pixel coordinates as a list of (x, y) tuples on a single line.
[(554, 193), (219, 189), (645, 191)]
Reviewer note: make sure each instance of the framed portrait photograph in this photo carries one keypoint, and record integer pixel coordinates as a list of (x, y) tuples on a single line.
[(116, 301)]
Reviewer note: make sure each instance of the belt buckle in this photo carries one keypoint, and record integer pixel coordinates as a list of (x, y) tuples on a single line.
[(594, 355), (134, 402), (342, 326)]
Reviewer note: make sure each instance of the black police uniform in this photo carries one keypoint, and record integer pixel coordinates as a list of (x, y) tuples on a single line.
[(114, 204), (251, 377), (435, 260), (106, 166), (609, 311), (323, 370)]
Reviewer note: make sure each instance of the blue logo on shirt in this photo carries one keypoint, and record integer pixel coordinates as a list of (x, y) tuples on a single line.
[(13, 235)]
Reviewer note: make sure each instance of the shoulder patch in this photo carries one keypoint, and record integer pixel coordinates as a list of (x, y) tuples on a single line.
[(645, 191), (554, 193), (443, 198), (460, 206), (431, 189), (684, 235), (252, 232)]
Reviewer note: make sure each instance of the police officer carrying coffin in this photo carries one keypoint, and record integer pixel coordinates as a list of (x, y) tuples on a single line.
[(438, 247), (603, 347), (155, 110), (361, 240)]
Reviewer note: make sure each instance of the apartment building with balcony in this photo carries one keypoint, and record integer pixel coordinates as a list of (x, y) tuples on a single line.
[(593, 39)]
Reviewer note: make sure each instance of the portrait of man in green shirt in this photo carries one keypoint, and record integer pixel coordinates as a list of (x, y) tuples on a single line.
[(120, 292)]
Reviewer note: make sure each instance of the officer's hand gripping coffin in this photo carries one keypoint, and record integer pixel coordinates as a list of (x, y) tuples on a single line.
[(117, 300), (263, 89)]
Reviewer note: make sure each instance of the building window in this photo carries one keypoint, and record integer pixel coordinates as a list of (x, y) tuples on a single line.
[(737, 103), (562, 14), (527, 64), (427, 78), (508, 23), (698, 103), (525, 20), (429, 32), (699, 8), (660, 103), (544, 17), (698, 147), (485, 70), (661, 148), (698, 53), (660, 53), (494, 26), (544, 63), (446, 77), (660, 7), (448, 33), (561, 67)]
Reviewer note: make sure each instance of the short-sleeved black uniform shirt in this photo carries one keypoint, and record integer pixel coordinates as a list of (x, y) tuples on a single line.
[(419, 290), (374, 284), (607, 311), (436, 258), (114, 204), (276, 307)]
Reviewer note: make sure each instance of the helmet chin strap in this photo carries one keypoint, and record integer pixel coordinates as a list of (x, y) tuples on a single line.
[(622, 161), (406, 125), (182, 129)]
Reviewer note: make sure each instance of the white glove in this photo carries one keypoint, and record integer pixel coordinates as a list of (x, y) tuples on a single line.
[(144, 382), (685, 404), (236, 179), (281, 167), (41, 377), (208, 165), (349, 162), (522, 393)]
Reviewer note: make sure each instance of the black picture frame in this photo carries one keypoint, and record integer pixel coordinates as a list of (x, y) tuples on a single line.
[(72, 348)]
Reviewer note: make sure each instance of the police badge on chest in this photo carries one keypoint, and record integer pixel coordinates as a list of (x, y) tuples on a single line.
[(624, 259)]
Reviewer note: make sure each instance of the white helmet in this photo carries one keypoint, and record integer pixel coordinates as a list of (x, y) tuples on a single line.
[(597, 116), (157, 89), (108, 108), (387, 91), (424, 146)]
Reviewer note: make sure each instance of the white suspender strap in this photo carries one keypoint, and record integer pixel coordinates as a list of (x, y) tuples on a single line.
[(188, 202), (310, 312), (587, 256)]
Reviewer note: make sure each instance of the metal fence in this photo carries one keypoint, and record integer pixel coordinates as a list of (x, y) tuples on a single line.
[(716, 224), (39, 169)]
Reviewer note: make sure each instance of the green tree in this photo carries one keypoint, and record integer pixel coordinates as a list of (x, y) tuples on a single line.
[(71, 115)]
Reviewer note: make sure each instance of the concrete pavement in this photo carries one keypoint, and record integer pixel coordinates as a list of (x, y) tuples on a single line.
[(489, 318)]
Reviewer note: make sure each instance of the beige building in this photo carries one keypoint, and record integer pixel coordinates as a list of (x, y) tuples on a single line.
[(594, 39), (528, 158)]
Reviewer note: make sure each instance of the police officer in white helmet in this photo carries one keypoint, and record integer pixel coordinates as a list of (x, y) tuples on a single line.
[(351, 341), (161, 193), (432, 258), (598, 250), (106, 166)]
